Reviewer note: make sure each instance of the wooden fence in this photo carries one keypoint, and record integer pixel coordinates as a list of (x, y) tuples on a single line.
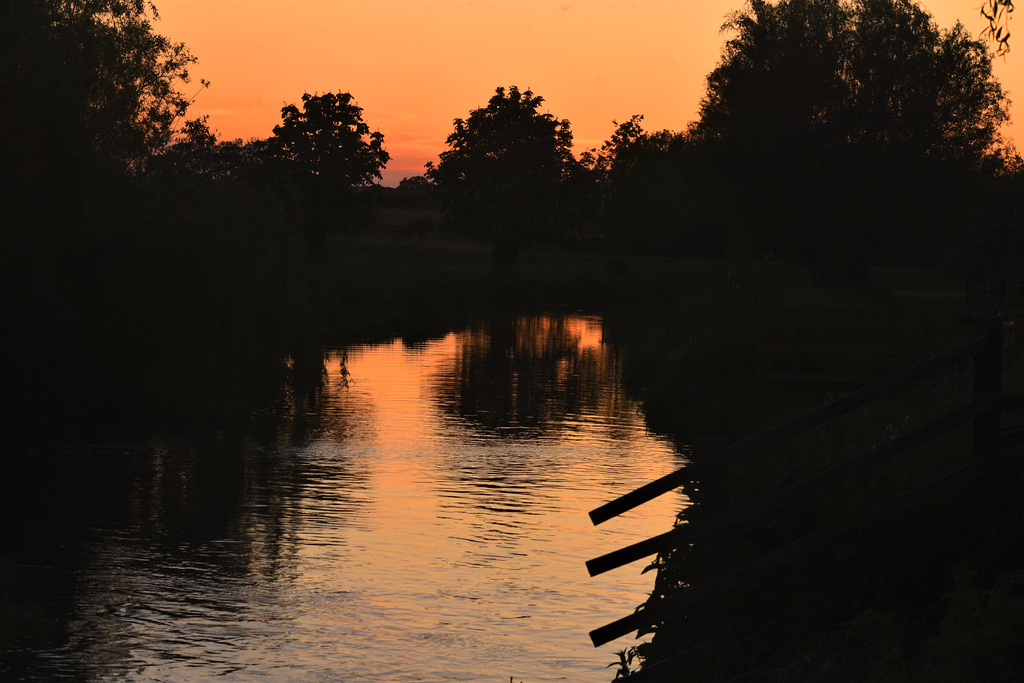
[(984, 411)]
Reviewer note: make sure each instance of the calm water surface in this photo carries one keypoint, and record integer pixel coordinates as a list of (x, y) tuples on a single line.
[(425, 521)]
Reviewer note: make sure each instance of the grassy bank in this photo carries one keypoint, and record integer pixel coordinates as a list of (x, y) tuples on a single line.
[(918, 597), (174, 301), (692, 327), (375, 288)]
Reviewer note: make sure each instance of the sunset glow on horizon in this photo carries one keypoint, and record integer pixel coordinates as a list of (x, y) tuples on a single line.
[(416, 65)]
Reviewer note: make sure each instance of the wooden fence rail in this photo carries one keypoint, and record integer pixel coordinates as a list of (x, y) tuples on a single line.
[(983, 412)]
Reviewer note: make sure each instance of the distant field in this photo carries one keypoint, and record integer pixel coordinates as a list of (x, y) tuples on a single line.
[(398, 216)]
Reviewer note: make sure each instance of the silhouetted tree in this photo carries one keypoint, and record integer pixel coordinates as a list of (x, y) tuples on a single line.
[(412, 192), (88, 93), (94, 75), (328, 139), (329, 150), (194, 151), (504, 172), (198, 154), (416, 185), (843, 123), (647, 197), (160, 297)]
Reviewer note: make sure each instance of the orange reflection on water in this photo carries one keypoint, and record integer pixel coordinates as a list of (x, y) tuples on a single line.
[(427, 521), (463, 538)]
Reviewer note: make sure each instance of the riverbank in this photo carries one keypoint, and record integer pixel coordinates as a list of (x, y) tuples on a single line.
[(375, 288), (900, 600), (922, 595), (165, 301), (693, 327), (915, 597)]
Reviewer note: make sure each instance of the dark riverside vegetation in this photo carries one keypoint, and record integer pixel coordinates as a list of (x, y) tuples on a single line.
[(847, 165), (928, 574), (896, 599), (692, 330), (916, 597)]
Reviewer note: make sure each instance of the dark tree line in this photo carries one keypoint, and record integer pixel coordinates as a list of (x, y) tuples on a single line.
[(838, 134), (169, 270), (323, 152), (146, 269)]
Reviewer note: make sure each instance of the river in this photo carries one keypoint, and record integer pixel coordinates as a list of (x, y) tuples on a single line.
[(425, 520)]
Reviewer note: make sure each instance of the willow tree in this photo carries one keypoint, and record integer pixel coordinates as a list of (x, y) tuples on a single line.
[(997, 14), (842, 122)]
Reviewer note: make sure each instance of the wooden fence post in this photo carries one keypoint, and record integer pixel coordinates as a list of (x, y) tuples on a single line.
[(988, 382), (715, 501)]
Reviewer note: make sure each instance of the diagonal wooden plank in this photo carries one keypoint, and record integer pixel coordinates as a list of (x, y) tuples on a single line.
[(739, 451), (777, 558), (673, 538), (698, 593), (757, 508)]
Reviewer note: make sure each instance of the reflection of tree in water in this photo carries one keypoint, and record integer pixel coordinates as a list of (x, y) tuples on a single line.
[(162, 533), (312, 379), (538, 377), (224, 486), (530, 375), (159, 551)]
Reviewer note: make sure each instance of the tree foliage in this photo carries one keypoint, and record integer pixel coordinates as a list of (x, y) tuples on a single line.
[(196, 153), (997, 14), (505, 170), (877, 75), (93, 76), (646, 194), (165, 287), (328, 138), (328, 151), (89, 94), (843, 122)]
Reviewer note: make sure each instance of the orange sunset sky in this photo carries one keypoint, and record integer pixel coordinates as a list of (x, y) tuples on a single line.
[(415, 65)]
